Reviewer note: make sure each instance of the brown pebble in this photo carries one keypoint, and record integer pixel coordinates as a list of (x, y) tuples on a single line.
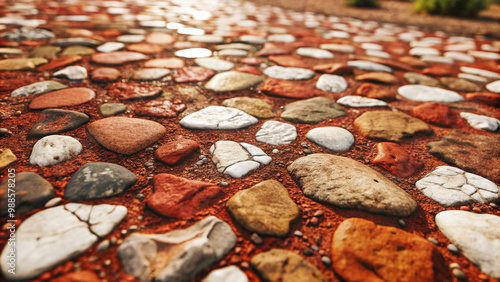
[(476, 209), (464, 208), (245, 265), (314, 221), (318, 213)]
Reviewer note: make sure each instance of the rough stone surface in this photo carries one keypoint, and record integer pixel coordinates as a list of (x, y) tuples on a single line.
[(237, 159), (312, 110), (288, 61), (424, 93), (285, 88), (331, 83), (21, 63), (334, 68), (374, 91), (216, 117), (25, 33), (226, 274), (44, 51), (481, 122), (289, 73), (7, 158), (459, 84), (435, 113), (173, 152), (255, 107), (130, 91), (193, 74), (168, 63), (60, 62), (161, 108), (63, 98), (77, 51), (118, 58), (395, 159), (53, 149), (37, 88), (53, 121), (487, 98), (358, 102), (232, 81), (276, 133)]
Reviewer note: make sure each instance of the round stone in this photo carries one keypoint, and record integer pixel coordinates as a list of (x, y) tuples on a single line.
[(53, 149), (332, 83), (333, 138)]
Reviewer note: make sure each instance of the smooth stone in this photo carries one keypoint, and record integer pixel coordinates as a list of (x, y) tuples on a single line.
[(44, 51), (281, 38), (458, 56), (333, 138), (60, 62), (161, 108), (423, 51), (473, 153), (131, 91), (98, 180), (37, 88), (232, 81), (271, 49), (118, 58), (334, 68), (438, 70), (175, 151), (79, 276), (178, 255), (276, 133), (179, 197), (365, 251), (226, 274), (480, 72), (255, 107), (359, 102), (32, 192), (395, 159), (287, 73), (416, 78), (472, 77), (437, 59), (369, 66), (286, 88), (451, 187), (77, 51), (341, 48), (130, 38), (62, 98), (53, 149), (193, 74), (265, 208), (21, 63), (58, 234), (346, 183), (167, 63), (28, 34), (494, 86), (485, 55), (111, 109), (288, 61), (233, 52), (481, 122), (283, 265), (75, 41), (312, 111), (424, 93), (7, 158), (381, 77), (111, 47), (217, 117), (160, 37), (252, 39), (145, 48), (237, 159), (72, 73), (378, 53), (375, 91), (150, 74), (412, 61), (206, 38), (213, 63), (314, 53), (390, 126), (192, 53), (53, 121), (235, 46), (435, 113), (460, 85), (332, 83), (476, 235), (105, 74)]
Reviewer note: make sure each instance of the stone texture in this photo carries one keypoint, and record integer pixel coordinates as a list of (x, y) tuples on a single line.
[(37, 88), (161, 108), (381, 77), (232, 81), (494, 86), (105, 74), (333, 138), (395, 159), (150, 74), (77, 51), (53, 121), (60, 62), (126, 135), (237, 159), (7, 158), (255, 107), (98, 180), (314, 53), (285, 88), (226, 274), (369, 66), (364, 251), (271, 49), (32, 192), (175, 151), (75, 41), (192, 53), (346, 183), (193, 74), (334, 68), (111, 109), (312, 110), (72, 73), (177, 255), (130, 91), (215, 64), (374, 91), (145, 48), (179, 197), (289, 73), (416, 78), (216, 117), (459, 84), (265, 208), (481, 122), (53, 149), (276, 133), (331, 83), (390, 126), (79, 276), (111, 47), (424, 93), (62, 98), (486, 98), (21, 63), (436, 113), (359, 102), (118, 58), (26, 33)]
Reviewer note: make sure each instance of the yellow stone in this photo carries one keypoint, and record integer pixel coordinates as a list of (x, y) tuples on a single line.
[(6, 158), (22, 63)]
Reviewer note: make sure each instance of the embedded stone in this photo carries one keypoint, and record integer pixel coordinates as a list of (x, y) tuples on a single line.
[(436, 113), (276, 133), (37, 88), (174, 152), (53, 149), (285, 88), (118, 58), (105, 74), (333, 138), (53, 121), (312, 110), (193, 74), (252, 106), (395, 159), (232, 81), (63, 98)]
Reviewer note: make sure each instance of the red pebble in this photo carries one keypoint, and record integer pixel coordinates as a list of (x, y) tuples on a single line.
[(436, 113), (394, 158), (176, 151)]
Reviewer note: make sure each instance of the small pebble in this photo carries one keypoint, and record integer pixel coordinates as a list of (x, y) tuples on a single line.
[(464, 208), (326, 261), (124, 232), (433, 241), (304, 145), (314, 248), (140, 218), (103, 246), (3, 131), (53, 202), (307, 252), (223, 184), (402, 223), (275, 151), (113, 240), (149, 163), (102, 274), (297, 233), (314, 221), (318, 213), (454, 265), (140, 196), (452, 248), (476, 209), (202, 157), (107, 262), (255, 238), (245, 265), (459, 274), (18, 113), (133, 228), (200, 163), (493, 205), (307, 151)]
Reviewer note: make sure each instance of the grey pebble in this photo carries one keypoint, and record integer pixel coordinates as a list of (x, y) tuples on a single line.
[(307, 252), (459, 274), (452, 248), (314, 248), (304, 145), (275, 151), (103, 246), (255, 238), (326, 260), (224, 184), (140, 196), (297, 233), (140, 218), (307, 151), (454, 265), (200, 163), (433, 241), (493, 205), (402, 223), (124, 232), (202, 157), (133, 228), (107, 262)]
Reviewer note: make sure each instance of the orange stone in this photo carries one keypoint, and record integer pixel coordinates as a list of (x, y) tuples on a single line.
[(60, 62), (438, 71), (271, 49), (288, 61), (249, 69), (105, 74), (374, 91), (128, 91), (436, 113), (487, 98), (163, 108), (145, 48), (62, 98), (80, 276), (190, 74), (286, 88), (395, 159), (335, 68), (412, 61), (252, 61), (173, 152), (160, 38), (382, 77), (117, 58)]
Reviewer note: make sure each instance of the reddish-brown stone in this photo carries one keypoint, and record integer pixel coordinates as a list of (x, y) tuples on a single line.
[(271, 49), (335, 68), (80, 276), (390, 63), (249, 69), (191, 74), (395, 159), (160, 38), (145, 48), (412, 61), (436, 113), (127, 91), (60, 62), (110, 32), (363, 251), (105, 74), (374, 91), (487, 98), (286, 88), (163, 108), (62, 98), (173, 152), (438, 70), (118, 58), (288, 61), (168, 63), (382, 77), (180, 197), (186, 44), (252, 61)]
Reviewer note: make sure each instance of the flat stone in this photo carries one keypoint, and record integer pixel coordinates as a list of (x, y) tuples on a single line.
[(364, 251), (378, 54), (287, 73), (285, 88), (288, 61), (252, 61), (473, 153), (7, 158), (249, 69), (271, 49), (145, 48), (72, 73), (192, 53), (206, 38), (480, 72), (226, 274), (485, 55), (215, 64), (131, 91), (159, 38), (422, 51), (111, 47), (32, 192), (314, 53), (105, 74), (75, 41), (161, 108), (252, 106), (461, 57), (53, 149), (333, 138), (131, 38), (487, 98), (178, 255), (312, 111), (416, 78), (63, 98), (60, 62), (476, 236), (150, 74), (494, 86), (21, 63), (283, 265), (77, 51), (281, 38), (359, 102), (332, 83), (435, 113), (381, 77), (395, 159), (481, 122), (193, 74), (340, 48), (334, 68), (25, 34), (346, 183), (167, 63), (390, 126), (472, 77), (37, 88), (387, 62), (53, 121), (369, 66), (111, 109), (216, 117), (179, 197), (79, 276), (276, 133), (424, 93), (437, 59), (414, 62), (232, 81), (58, 234), (118, 58), (44, 51), (175, 151), (459, 84), (237, 159), (374, 91), (233, 52), (452, 187), (126, 135), (438, 70), (98, 180)]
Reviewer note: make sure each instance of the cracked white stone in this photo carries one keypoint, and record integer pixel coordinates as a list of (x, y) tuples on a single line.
[(333, 138), (287, 73), (494, 86), (480, 72), (55, 235), (53, 149), (111, 47), (314, 53), (72, 73), (218, 117), (425, 93), (451, 186), (369, 66), (359, 101), (215, 64), (237, 159), (276, 133), (481, 122), (227, 274), (332, 83)]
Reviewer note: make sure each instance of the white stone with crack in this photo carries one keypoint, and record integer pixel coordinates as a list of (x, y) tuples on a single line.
[(481, 122), (53, 149), (237, 159), (276, 133), (217, 117)]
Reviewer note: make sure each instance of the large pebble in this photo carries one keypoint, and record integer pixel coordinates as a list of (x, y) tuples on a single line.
[(53, 149), (32, 192), (369, 66), (333, 138), (276, 133), (359, 102), (312, 110), (331, 83), (287, 73), (53, 121), (255, 107), (314, 53), (216, 117), (72, 73), (425, 93), (232, 81)]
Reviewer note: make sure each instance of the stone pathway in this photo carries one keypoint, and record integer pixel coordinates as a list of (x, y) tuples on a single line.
[(230, 141)]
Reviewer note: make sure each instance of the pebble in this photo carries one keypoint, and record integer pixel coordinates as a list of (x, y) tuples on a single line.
[(217, 117), (289, 73), (175, 151), (453, 249), (416, 78), (38, 88), (72, 73), (369, 66), (62, 98), (118, 57), (314, 53), (458, 273), (150, 74), (232, 81), (192, 53), (237, 159), (53, 121), (105, 74), (21, 63), (227, 274), (402, 223), (253, 106), (341, 48), (333, 138), (53, 149), (53, 202), (256, 239), (359, 102), (481, 122), (111, 109), (276, 133), (193, 74), (77, 51), (480, 72), (433, 241), (35, 191), (131, 91), (326, 261), (424, 93), (167, 63), (111, 47), (224, 184), (26, 33), (494, 86), (215, 64), (331, 83), (297, 233), (285, 88), (312, 111)]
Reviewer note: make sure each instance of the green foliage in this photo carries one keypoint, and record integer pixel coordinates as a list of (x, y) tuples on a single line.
[(363, 3), (460, 8)]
